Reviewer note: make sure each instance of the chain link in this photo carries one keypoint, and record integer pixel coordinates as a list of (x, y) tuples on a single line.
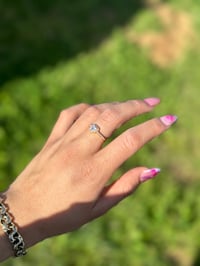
[(10, 229)]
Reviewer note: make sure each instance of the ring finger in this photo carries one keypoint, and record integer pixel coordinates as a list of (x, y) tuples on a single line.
[(109, 118)]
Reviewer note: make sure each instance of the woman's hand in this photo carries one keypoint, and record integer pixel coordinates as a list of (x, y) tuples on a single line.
[(65, 185)]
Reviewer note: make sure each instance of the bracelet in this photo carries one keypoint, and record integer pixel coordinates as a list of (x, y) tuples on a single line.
[(11, 230)]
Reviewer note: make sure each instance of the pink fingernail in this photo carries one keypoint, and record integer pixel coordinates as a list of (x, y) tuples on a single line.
[(168, 120), (152, 101), (149, 174)]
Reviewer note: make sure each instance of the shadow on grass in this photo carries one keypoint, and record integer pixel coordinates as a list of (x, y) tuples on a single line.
[(39, 33)]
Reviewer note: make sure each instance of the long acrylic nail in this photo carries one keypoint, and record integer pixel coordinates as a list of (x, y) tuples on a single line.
[(149, 174), (168, 120), (152, 101)]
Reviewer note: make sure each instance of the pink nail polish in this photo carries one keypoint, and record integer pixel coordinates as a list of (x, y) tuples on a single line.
[(149, 174), (152, 101), (168, 120)]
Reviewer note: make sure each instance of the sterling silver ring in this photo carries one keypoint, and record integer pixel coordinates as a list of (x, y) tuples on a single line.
[(94, 128)]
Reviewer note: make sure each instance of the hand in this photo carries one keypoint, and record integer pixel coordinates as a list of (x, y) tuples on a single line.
[(64, 186)]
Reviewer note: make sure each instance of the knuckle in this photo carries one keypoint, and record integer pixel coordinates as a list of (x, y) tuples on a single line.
[(86, 173), (116, 102), (93, 110), (87, 170), (64, 113), (72, 109), (83, 105), (138, 106), (131, 141), (110, 115), (157, 126)]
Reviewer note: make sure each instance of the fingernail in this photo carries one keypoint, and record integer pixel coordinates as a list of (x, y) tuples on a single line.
[(152, 101), (149, 174), (168, 120)]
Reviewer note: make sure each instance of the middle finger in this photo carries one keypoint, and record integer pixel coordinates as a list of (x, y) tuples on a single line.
[(109, 117)]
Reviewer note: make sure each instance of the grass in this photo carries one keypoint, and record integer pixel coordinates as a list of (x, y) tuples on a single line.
[(159, 224)]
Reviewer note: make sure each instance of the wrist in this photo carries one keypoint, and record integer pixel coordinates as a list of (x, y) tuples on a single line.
[(21, 217)]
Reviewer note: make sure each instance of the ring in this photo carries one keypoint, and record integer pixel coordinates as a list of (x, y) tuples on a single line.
[(94, 128)]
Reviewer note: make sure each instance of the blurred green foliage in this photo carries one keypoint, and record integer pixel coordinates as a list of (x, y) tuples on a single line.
[(35, 34), (160, 223)]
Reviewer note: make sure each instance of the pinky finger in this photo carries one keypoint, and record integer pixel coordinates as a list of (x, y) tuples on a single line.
[(122, 188)]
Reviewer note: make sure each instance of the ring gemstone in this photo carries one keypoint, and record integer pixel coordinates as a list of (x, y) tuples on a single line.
[(94, 128)]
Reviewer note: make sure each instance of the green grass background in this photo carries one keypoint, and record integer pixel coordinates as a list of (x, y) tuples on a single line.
[(54, 54)]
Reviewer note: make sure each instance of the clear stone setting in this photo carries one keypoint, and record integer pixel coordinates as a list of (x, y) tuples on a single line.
[(94, 128)]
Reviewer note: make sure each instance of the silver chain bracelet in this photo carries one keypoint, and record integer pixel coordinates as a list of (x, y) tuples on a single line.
[(10, 229)]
